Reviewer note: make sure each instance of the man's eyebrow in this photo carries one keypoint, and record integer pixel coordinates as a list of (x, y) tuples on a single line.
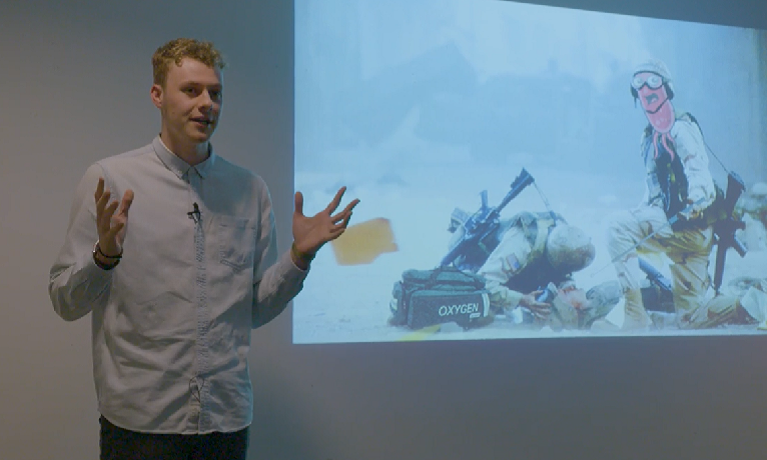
[(197, 83)]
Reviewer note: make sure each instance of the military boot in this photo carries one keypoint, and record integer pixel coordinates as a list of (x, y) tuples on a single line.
[(720, 310)]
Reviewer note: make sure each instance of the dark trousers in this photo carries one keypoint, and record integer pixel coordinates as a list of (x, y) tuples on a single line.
[(120, 444)]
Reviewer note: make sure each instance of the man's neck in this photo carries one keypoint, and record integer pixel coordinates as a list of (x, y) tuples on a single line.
[(193, 154)]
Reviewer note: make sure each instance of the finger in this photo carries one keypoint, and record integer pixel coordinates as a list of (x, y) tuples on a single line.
[(336, 200), (347, 211), (335, 234), (101, 206), (341, 226), (126, 202), (352, 205), (346, 220), (99, 189), (109, 211), (298, 203), (102, 201), (111, 235)]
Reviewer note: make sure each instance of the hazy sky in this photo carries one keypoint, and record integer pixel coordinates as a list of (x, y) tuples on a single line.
[(380, 84)]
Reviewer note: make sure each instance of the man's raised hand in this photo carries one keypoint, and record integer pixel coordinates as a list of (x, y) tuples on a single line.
[(111, 222), (311, 233)]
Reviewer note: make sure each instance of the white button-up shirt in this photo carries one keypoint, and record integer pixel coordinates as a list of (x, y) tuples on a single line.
[(171, 323)]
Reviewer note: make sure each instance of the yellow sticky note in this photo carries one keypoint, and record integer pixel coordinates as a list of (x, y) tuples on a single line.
[(363, 242)]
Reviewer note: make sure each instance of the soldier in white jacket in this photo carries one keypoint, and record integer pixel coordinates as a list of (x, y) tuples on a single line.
[(678, 183)]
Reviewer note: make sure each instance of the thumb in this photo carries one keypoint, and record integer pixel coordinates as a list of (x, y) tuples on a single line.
[(299, 203)]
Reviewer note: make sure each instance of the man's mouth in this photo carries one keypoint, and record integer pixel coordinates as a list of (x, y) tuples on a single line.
[(650, 98), (657, 109), (203, 121)]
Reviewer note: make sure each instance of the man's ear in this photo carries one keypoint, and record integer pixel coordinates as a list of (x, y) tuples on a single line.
[(156, 93)]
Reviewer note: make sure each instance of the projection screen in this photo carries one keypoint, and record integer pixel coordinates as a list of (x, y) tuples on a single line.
[(528, 171)]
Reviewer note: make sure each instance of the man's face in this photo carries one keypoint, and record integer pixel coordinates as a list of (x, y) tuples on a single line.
[(574, 296), (189, 103), (651, 91)]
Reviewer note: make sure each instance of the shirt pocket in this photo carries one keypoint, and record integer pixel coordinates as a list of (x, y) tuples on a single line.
[(237, 242)]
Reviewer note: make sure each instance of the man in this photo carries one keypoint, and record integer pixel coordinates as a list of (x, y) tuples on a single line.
[(521, 268), (535, 250), (175, 288), (678, 185)]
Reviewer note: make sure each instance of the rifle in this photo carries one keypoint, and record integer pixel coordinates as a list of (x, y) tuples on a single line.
[(654, 275), (660, 299), (724, 229), (486, 220)]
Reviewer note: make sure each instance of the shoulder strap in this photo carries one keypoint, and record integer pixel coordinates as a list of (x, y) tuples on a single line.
[(544, 225)]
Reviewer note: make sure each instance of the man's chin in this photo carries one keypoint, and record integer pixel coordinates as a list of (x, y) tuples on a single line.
[(651, 110), (200, 136)]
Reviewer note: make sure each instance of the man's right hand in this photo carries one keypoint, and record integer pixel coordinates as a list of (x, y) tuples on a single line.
[(111, 223), (540, 310)]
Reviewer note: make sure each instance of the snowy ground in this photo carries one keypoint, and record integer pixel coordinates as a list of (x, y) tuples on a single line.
[(351, 303)]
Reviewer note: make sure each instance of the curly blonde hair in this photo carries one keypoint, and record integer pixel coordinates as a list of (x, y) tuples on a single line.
[(176, 50)]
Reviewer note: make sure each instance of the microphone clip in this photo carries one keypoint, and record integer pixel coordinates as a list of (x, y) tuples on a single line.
[(195, 214)]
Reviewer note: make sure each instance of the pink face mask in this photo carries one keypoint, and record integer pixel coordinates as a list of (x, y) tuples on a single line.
[(655, 101)]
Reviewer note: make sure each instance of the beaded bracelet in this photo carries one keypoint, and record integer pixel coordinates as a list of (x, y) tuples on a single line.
[(97, 251), (101, 253)]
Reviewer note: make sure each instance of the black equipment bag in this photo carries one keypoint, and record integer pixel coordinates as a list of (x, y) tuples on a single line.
[(446, 294)]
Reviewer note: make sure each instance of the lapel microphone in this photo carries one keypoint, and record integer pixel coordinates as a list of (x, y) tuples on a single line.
[(195, 213)]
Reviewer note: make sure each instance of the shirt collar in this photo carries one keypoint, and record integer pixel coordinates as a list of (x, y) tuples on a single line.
[(178, 166)]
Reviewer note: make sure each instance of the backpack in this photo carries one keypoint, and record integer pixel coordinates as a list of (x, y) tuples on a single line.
[(445, 294)]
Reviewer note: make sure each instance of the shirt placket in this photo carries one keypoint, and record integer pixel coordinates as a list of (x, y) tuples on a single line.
[(200, 387)]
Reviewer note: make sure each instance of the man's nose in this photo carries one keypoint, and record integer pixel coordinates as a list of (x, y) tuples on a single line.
[(206, 102)]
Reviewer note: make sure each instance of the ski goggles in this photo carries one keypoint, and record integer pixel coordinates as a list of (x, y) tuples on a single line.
[(651, 80)]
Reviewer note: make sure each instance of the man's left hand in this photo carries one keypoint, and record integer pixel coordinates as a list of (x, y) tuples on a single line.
[(693, 210), (311, 233)]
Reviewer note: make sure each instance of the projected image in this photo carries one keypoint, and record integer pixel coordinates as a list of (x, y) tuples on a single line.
[(528, 171)]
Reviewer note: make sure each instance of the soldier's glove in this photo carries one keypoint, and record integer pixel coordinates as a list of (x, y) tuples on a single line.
[(694, 209)]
